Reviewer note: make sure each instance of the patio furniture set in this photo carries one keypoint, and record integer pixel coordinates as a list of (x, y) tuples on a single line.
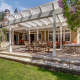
[(38, 45)]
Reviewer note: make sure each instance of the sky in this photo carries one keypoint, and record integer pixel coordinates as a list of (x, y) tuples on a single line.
[(20, 4)]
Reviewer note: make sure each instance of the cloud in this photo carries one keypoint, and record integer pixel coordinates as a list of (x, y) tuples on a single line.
[(23, 8), (4, 6), (16, 2)]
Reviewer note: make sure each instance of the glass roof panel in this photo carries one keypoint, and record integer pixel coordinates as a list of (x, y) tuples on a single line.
[(38, 22), (62, 19), (10, 17), (31, 23), (45, 21), (25, 13), (26, 25), (56, 6), (46, 8), (17, 15), (35, 11)]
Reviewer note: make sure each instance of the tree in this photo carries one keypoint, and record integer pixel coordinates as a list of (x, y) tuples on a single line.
[(1, 16), (15, 11), (71, 11)]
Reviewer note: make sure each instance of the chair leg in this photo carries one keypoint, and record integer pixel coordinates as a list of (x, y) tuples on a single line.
[(48, 49), (33, 49), (45, 49)]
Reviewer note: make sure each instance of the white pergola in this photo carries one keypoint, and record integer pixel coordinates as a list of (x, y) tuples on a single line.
[(40, 17)]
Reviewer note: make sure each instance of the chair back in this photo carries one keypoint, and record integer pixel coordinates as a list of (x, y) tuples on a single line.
[(26, 43), (35, 44)]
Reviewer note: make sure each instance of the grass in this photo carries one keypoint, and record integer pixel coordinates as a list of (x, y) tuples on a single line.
[(10, 70)]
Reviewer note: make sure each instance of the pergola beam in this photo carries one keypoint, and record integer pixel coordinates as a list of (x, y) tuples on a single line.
[(36, 16)]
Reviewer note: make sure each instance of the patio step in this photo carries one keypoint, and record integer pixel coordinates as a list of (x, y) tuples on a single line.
[(54, 62)]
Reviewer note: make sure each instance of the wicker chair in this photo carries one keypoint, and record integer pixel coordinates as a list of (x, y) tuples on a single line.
[(36, 46), (4, 46), (27, 45), (48, 46)]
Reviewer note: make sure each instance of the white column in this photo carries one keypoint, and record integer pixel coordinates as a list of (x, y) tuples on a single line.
[(12, 37), (60, 37), (10, 47), (37, 35), (29, 36), (54, 35), (45, 35)]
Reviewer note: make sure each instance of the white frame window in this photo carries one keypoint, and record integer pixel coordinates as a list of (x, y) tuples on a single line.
[(64, 31), (68, 32)]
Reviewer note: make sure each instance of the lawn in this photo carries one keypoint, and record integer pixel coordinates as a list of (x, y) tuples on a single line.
[(10, 70)]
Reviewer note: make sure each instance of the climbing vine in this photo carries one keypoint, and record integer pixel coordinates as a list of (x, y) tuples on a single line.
[(71, 11), (3, 34)]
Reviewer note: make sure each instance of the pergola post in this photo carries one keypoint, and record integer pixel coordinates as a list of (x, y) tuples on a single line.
[(10, 47), (29, 36), (45, 35), (12, 37), (37, 35), (61, 38), (54, 35)]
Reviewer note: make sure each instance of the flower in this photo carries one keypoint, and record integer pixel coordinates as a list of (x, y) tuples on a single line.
[(73, 9), (61, 4)]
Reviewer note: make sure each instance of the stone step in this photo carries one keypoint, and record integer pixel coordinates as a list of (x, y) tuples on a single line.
[(44, 58), (39, 62)]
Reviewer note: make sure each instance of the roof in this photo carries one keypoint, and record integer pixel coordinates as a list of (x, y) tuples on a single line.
[(38, 16)]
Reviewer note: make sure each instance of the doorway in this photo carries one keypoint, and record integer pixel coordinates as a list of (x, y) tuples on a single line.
[(32, 37), (16, 38)]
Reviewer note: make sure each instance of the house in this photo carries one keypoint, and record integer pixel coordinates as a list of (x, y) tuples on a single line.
[(38, 23)]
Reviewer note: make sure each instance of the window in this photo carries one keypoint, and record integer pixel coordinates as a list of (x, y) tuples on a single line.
[(56, 37), (67, 30), (39, 37), (50, 37), (25, 37), (67, 36), (35, 37)]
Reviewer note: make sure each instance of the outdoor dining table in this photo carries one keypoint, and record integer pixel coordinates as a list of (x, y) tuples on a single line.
[(43, 44)]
